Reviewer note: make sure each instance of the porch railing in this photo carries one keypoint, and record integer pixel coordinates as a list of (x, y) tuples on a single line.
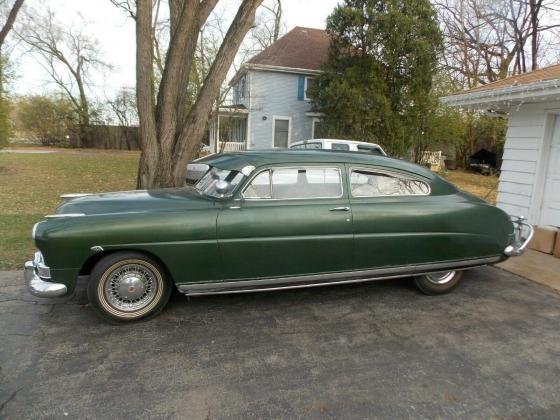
[(230, 146)]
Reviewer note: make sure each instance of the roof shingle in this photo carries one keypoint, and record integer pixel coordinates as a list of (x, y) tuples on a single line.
[(540, 75), (301, 48)]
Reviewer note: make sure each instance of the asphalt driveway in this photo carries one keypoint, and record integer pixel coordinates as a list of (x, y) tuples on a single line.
[(492, 348)]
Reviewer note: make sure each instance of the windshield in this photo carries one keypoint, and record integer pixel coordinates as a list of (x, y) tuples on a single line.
[(207, 184)]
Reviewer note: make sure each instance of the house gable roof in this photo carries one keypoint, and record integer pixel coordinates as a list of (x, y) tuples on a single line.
[(301, 48), (539, 75), (535, 86)]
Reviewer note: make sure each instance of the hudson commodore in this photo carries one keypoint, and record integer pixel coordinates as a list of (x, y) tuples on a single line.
[(268, 220)]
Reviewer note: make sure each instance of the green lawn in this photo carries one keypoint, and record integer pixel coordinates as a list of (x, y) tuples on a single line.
[(482, 186), (30, 186)]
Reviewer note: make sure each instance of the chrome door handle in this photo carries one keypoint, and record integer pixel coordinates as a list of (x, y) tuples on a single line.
[(340, 209)]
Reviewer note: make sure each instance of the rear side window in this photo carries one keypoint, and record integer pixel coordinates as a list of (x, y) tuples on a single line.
[(296, 183), (365, 183)]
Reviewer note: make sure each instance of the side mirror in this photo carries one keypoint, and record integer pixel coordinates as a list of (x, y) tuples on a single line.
[(222, 187), (195, 171)]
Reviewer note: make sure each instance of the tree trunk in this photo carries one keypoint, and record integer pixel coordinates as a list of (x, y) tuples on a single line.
[(534, 8), (145, 95), (170, 132)]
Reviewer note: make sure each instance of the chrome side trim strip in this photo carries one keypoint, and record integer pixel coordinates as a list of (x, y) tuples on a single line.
[(74, 195), (287, 287), (63, 215), (296, 282)]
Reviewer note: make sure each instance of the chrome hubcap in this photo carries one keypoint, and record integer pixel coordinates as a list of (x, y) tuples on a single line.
[(441, 277), (130, 288)]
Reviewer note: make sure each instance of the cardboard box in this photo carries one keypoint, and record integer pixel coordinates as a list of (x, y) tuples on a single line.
[(556, 251), (544, 239)]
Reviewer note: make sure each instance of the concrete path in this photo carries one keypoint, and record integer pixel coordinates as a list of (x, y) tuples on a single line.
[(536, 266), (24, 151), (490, 349)]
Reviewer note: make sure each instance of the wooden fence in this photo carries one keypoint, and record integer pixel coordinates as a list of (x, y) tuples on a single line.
[(108, 137)]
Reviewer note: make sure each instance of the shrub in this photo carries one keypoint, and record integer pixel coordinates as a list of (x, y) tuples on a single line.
[(51, 120)]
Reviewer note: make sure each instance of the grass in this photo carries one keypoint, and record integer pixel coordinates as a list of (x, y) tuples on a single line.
[(482, 186), (30, 186)]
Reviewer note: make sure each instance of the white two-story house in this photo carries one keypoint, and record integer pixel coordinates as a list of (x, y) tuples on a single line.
[(270, 104)]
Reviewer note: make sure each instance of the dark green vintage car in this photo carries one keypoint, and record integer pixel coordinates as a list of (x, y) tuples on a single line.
[(268, 220)]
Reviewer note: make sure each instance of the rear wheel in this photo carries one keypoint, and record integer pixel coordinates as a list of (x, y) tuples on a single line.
[(438, 283), (128, 286)]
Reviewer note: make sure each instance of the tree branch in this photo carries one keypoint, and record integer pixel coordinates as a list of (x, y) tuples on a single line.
[(10, 21)]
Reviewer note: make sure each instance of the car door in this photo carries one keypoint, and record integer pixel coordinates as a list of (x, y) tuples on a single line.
[(390, 212), (287, 221)]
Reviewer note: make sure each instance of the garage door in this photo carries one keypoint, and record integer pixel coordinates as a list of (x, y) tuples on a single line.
[(550, 211)]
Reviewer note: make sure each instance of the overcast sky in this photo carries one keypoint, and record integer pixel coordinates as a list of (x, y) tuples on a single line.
[(116, 34)]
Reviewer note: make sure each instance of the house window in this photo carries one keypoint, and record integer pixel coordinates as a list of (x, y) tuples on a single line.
[(281, 132), (309, 83), (243, 87)]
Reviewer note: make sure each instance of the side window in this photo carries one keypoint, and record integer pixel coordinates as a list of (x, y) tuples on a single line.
[(259, 187), (371, 184), (340, 146), (369, 149), (292, 183)]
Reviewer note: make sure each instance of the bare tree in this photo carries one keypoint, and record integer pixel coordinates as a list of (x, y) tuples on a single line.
[(129, 6), (10, 19), (68, 54), (268, 28), (269, 24), (170, 131), (123, 105), (488, 40)]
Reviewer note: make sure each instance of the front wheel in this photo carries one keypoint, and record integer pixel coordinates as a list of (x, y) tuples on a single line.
[(128, 286), (438, 283)]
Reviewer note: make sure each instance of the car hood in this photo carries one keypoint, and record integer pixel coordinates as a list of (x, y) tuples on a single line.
[(168, 199)]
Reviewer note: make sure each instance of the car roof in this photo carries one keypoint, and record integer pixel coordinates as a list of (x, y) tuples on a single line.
[(238, 160)]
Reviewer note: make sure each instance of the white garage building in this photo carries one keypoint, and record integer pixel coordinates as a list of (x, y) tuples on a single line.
[(530, 179)]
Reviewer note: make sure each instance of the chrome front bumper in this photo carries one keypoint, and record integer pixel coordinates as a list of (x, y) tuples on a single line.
[(523, 234), (36, 285)]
